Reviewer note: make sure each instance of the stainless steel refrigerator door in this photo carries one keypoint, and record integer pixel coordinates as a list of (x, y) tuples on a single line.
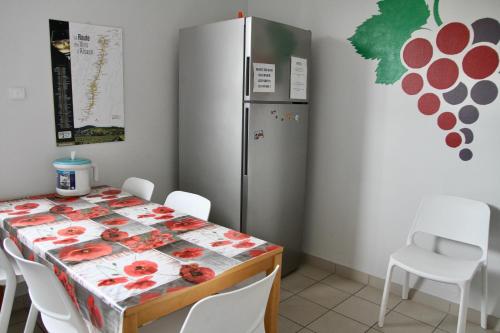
[(274, 43), (210, 116), (274, 185)]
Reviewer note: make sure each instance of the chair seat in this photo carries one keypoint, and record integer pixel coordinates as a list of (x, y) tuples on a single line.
[(433, 265)]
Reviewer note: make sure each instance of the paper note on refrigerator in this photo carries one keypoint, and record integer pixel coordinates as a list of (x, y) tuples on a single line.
[(298, 78), (263, 77)]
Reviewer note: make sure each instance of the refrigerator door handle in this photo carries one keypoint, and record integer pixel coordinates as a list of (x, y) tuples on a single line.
[(247, 77), (245, 141)]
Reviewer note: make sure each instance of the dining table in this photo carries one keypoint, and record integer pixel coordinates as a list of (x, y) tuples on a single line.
[(125, 261)]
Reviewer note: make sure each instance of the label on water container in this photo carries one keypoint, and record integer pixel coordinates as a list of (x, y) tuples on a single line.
[(66, 180)]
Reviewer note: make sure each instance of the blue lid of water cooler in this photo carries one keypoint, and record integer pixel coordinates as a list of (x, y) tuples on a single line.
[(69, 161)]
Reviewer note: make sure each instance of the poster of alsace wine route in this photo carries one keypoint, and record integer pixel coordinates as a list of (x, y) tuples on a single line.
[(87, 81)]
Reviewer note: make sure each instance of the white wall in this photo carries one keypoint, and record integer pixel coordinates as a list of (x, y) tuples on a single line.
[(372, 155), (150, 30)]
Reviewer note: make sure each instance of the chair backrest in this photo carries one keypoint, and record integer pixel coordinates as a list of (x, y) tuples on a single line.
[(189, 203), (139, 187), (47, 294), (458, 219), (10, 282), (241, 310)]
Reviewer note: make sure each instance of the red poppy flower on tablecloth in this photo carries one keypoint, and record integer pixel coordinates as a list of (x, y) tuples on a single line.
[(67, 199), (235, 235), (187, 223), (112, 281), (271, 247), (125, 202), (189, 252), (174, 289), (20, 212), (131, 241), (71, 231), (27, 206), (93, 196), (116, 221), (110, 197), (16, 241), (141, 267), (196, 274), (25, 221), (164, 217), (44, 239), (142, 283), (258, 252), (114, 235), (6, 211), (66, 241), (244, 244), (89, 251), (111, 192), (220, 243), (31, 256), (163, 210), (94, 312), (142, 216), (148, 296), (97, 211), (61, 209)]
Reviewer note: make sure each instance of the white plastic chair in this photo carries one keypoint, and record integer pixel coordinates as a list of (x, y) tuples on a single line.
[(139, 187), (10, 276), (47, 295), (462, 220), (189, 203), (239, 311)]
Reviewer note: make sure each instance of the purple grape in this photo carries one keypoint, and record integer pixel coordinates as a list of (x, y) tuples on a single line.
[(486, 30), (484, 92)]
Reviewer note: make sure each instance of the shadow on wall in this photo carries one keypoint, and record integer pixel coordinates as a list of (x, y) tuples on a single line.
[(336, 149)]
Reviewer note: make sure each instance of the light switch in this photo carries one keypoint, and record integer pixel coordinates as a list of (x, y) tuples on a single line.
[(17, 93)]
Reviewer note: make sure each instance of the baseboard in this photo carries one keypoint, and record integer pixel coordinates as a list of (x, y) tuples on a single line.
[(418, 296)]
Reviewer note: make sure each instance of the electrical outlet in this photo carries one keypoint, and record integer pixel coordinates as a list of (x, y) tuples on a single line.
[(17, 93)]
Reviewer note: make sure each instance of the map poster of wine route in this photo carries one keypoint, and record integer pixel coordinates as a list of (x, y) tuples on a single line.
[(87, 80)]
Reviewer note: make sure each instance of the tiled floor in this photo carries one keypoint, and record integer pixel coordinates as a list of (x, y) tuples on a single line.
[(312, 300)]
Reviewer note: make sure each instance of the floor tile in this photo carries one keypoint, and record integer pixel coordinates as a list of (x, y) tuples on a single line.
[(420, 312), (296, 282), (287, 326), (284, 294), (359, 309), (300, 310), (449, 324), (397, 323), (334, 322), (346, 285), (18, 316), (375, 295), (324, 295), (305, 330), (19, 328), (313, 272)]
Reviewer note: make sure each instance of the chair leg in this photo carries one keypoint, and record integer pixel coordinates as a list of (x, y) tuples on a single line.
[(31, 321), (7, 302), (464, 305), (406, 285), (484, 298), (385, 296)]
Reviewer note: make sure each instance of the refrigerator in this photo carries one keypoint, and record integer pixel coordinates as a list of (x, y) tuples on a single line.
[(243, 119)]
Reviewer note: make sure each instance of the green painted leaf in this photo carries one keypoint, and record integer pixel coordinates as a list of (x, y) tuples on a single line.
[(381, 36)]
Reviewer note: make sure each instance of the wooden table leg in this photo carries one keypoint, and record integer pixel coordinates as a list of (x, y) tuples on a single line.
[(272, 310), (130, 324)]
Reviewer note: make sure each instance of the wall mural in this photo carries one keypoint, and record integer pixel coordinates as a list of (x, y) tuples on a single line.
[(452, 69)]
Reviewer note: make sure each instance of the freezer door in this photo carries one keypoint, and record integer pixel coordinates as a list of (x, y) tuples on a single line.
[(272, 43), (211, 116), (274, 183)]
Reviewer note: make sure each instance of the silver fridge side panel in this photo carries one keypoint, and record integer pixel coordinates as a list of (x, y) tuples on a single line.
[(276, 176), (210, 116), (275, 43)]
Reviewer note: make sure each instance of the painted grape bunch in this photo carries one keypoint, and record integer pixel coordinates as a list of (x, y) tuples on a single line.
[(451, 73), (473, 57)]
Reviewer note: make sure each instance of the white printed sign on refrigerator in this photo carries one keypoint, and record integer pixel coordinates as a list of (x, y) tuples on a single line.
[(298, 78), (263, 77)]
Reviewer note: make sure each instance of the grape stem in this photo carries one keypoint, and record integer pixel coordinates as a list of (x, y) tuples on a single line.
[(435, 12)]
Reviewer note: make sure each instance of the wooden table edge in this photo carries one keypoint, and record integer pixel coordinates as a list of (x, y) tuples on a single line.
[(140, 314)]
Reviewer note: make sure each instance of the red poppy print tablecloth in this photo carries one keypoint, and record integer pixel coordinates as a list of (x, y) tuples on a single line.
[(112, 250)]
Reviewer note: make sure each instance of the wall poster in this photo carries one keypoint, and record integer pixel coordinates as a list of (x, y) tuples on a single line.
[(87, 80)]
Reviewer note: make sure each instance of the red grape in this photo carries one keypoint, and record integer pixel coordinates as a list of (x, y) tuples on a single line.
[(412, 83), (453, 38), (480, 62), (446, 121), (417, 53), (442, 73), (428, 104), (453, 140)]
